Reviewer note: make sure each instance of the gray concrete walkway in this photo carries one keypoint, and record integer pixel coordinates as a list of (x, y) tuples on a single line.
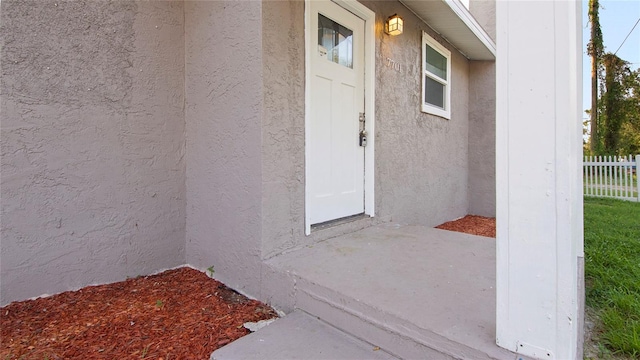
[(417, 292), (299, 336)]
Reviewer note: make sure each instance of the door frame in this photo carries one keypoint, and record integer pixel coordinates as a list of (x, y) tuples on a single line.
[(369, 18)]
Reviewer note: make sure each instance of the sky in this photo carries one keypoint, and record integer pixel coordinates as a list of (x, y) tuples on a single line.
[(617, 18)]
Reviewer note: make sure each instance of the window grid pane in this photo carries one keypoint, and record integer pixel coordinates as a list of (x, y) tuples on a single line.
[(436, 63), (336, 40), (434, 92)]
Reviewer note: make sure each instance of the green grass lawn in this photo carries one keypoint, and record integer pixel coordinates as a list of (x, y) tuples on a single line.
[(612, 271)]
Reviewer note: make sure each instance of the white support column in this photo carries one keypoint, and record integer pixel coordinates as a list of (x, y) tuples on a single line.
[(538, 180)]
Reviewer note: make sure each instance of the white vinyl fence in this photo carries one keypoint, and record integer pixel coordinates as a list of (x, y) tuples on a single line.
[(611, 176)]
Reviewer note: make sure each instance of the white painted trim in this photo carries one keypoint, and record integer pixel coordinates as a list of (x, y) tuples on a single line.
[(307, 117), (457, 10), (465, 15), (502, 179), (426, 107), (369, 18)]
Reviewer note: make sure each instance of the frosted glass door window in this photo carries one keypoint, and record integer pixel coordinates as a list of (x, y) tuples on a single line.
[(335, 41)]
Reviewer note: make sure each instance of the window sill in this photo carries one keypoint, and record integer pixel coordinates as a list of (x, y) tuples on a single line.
[(437, 112)]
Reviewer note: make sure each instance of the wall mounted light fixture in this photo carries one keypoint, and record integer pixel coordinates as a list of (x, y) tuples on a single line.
[(394, 25)]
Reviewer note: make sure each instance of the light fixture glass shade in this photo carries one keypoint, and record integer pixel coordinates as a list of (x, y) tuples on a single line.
[(394, 25)]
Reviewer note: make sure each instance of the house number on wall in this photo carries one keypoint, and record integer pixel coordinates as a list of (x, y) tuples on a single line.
[(393, 64)]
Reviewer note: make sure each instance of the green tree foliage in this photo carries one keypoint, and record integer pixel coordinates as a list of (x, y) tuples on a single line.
[(595, 49), (614, 102), (618, 110), (614, 122), (629, 142)]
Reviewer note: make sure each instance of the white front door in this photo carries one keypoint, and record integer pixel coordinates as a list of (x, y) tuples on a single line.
[(336, 159)]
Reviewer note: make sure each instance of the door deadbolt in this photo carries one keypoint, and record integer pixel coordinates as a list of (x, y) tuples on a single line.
[(363, 138)]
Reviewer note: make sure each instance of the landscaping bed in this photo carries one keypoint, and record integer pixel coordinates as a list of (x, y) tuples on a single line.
[(472, 224), (178, 314)]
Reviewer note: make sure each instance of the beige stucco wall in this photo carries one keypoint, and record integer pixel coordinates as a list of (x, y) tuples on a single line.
[(180, 139), (482, 120), (482, 138), (224, 148), (421, 160), (92, 144), (484, 11), (283, 132)]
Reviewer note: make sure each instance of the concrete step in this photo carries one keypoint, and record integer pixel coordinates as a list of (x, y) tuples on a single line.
[(416, 292), (299, 336)]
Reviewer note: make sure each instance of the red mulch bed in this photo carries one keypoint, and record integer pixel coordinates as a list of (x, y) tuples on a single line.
[(178, 314), (472, 224)]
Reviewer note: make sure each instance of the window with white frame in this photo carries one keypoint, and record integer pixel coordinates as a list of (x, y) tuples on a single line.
[(436, 78)]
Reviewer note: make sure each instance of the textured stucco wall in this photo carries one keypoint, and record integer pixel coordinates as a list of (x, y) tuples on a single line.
[(224, 147), (484, 11), (482, 120), (482, 138), (92, 154), (421, 160), (283, 126)]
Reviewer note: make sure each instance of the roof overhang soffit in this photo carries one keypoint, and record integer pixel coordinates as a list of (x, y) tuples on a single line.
[(452, 20)]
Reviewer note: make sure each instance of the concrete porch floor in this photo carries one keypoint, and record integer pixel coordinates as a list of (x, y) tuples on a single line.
[(416, 292)]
